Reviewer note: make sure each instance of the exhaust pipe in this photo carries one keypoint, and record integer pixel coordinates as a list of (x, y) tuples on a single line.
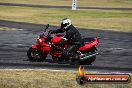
[(89, 56)]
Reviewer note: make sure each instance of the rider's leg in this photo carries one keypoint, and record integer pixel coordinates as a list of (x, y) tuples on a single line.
[(71, 51)]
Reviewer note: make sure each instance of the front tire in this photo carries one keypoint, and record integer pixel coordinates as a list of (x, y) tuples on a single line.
[(35, 56)]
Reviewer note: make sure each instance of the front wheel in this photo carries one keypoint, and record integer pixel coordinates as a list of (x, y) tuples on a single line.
[(35, 56)]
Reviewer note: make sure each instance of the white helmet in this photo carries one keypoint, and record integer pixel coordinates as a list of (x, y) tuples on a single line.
[(65, 23)]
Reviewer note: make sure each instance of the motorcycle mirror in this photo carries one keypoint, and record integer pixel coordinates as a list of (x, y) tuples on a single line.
[(46, 27)]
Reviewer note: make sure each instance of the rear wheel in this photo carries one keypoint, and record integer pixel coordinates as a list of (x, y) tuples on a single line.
[(35, 56)]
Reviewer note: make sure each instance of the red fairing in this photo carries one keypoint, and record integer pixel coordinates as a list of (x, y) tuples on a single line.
[(34, 46), (40, 41), (42, 46), (46, 47), (56, 39), (89, 45)]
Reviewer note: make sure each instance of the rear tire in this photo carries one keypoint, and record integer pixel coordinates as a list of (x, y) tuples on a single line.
[(35, 56)]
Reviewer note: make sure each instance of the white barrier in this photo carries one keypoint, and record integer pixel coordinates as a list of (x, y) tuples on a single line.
[(74, 4)]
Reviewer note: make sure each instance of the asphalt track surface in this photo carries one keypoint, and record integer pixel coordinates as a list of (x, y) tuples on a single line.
[(115, 48), (50, 6)]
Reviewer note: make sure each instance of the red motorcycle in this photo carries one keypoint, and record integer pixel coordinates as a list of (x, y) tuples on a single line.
[(38, 52)]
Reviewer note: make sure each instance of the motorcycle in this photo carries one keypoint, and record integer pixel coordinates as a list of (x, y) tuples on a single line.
[(38, 52)]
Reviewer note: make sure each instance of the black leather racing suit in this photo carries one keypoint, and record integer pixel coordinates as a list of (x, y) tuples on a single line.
[(72, 36)]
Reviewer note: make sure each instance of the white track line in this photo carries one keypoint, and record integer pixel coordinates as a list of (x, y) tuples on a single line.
[(37, 70), (74, 71)]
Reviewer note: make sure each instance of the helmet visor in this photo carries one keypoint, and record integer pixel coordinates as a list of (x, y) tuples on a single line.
[(63, 25)]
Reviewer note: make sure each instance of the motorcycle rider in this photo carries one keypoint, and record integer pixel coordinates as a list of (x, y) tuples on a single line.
[(72, 36)]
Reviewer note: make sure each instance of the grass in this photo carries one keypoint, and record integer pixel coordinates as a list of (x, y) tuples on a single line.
[(6, 28), (46, 79), (97, 19), (91, 3)]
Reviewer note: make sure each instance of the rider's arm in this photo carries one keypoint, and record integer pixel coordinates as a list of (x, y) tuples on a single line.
[(68, 35)]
